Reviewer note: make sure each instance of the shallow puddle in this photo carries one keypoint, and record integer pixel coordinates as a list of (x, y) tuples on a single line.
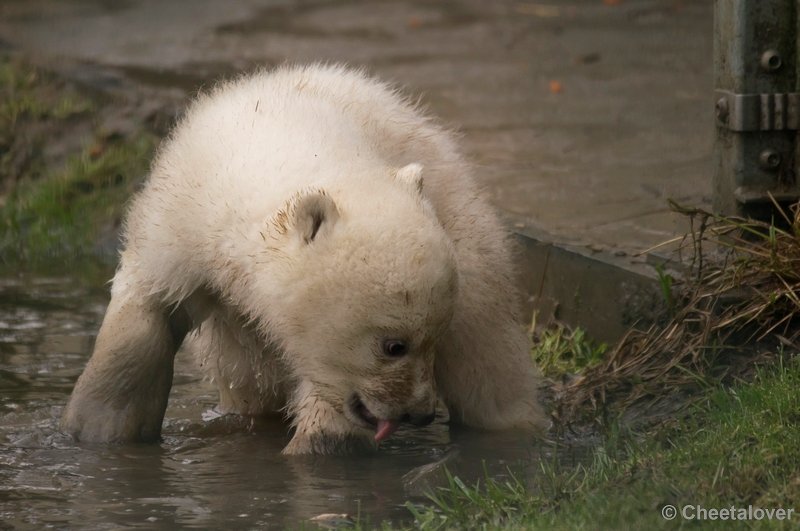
[(209, 471)]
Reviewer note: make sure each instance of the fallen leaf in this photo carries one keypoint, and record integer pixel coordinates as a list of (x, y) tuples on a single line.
[(414, 22), (96, 150)]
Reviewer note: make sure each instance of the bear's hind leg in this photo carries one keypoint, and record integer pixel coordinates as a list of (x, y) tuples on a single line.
[(122, 394), (248, 374)]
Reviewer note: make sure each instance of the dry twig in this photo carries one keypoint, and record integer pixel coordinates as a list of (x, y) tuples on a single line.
[(746, 293)]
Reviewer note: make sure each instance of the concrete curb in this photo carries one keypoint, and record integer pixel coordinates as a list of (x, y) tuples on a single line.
[(604, 294)]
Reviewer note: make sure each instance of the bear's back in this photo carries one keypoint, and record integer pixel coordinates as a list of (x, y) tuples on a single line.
[(252, 143), (269, 134)]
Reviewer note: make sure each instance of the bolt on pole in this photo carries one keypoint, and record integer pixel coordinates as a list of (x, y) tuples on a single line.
[(756, 105)]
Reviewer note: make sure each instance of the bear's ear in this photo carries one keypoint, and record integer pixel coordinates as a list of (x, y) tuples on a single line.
[(411, 174), (312, 212)]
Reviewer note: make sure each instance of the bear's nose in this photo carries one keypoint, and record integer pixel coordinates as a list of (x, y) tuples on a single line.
[(420, 420)]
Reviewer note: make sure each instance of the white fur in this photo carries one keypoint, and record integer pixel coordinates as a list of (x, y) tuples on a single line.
[(299, 217)]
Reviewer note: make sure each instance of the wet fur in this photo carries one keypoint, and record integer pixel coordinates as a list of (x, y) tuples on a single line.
[(292, 220)]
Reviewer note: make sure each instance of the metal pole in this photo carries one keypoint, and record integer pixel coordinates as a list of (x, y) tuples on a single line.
[(757, 105)]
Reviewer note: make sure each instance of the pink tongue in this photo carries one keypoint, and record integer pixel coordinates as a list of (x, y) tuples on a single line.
[(385, 429)]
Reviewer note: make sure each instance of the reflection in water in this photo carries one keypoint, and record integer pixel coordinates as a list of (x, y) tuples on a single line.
[(224, 471)]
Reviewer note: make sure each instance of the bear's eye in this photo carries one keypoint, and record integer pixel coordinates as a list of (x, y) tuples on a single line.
[(395, 348)]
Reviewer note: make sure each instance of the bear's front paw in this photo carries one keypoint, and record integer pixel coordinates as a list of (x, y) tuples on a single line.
[(321, 443), (320, 428), (90, 420)]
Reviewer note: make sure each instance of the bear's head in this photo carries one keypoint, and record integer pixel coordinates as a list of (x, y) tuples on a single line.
[(368, 283)]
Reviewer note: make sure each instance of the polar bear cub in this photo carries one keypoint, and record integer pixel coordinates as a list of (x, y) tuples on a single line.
[(321, 244)]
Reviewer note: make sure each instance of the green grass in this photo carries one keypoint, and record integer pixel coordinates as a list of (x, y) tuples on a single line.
[(27, 94), (65, 208), (31, 102), (559, 351), (738, 448), (65, 214)]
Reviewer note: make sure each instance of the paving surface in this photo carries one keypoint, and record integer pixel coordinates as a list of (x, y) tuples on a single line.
[(583, 116)]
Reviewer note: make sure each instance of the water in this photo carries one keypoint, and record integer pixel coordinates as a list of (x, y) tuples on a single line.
[(220, 472)]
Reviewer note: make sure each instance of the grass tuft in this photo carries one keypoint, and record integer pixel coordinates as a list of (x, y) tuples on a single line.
[(558, 350), (63, 183), (748, 293), (22, 96), (73, 213)]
